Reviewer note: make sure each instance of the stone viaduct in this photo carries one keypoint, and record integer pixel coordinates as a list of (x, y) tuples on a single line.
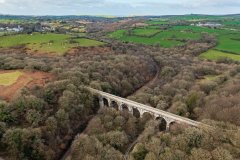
[(106, 99)]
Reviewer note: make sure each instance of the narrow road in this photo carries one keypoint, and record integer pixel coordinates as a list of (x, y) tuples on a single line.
[(150, 83), (140, 90), (66, 155), (129, 149)]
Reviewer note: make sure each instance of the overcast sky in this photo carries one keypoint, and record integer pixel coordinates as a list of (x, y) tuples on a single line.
[(118, 7)]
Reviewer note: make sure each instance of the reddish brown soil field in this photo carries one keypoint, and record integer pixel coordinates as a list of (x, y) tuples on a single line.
[(28, 79)]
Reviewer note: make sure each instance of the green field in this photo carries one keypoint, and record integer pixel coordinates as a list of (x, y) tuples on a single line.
[(232, 23), (165, 38), (157, 22), (2, 33), (227, 39), (145, 31), (84, 42), (229, 43), (196, 17), (7, 79), (217, 55), (11, 21), (50, 42)]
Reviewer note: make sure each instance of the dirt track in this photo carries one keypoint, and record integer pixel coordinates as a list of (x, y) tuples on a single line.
[(148, 84), (28, 79)]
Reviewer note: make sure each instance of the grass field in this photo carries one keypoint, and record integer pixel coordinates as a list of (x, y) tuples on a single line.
[(216, 55), (2, 33), (145, 31), (84, 42), (227, 39), (50, 42), (229, 43), (157, 22), (195, 17), (197, 29), (166, 38), (232, 23), (121, 35), (11, 21), (7, 79)]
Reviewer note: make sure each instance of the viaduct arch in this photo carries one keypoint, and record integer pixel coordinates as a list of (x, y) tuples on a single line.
[(106, 99)]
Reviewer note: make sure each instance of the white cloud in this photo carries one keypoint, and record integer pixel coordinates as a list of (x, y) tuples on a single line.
[(118, 7)]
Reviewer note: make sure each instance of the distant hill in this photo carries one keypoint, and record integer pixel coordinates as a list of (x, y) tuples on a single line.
[(69, 17), (110, 19)]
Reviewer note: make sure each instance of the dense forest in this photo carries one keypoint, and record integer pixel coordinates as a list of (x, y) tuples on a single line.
[(110, 135), (52, 115), (44, 122), (185, 86)]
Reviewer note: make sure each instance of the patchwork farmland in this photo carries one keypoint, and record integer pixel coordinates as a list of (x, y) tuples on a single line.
[(149, 36), (167, 34)]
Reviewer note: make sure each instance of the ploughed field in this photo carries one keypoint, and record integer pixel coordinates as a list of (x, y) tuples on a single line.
[(47, 43), (11, 82)]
